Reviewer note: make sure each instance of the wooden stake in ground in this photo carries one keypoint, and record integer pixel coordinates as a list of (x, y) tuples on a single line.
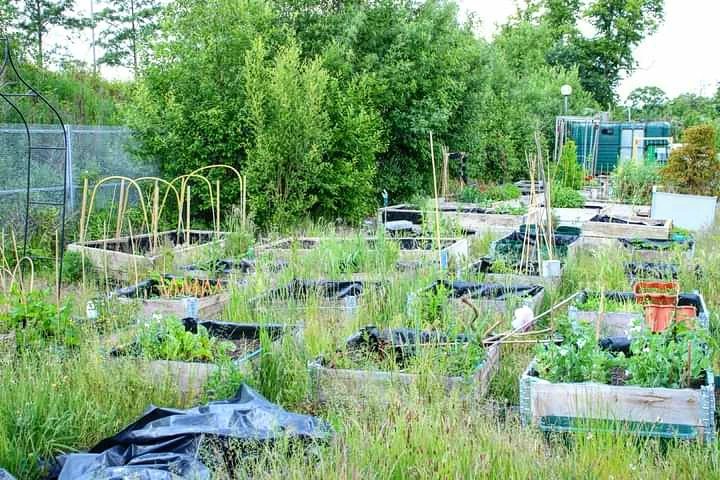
[(83, 205), (118, 224), (187, 216), (437, 201)]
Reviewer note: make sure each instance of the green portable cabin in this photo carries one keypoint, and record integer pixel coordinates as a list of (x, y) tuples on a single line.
[(615, 141)]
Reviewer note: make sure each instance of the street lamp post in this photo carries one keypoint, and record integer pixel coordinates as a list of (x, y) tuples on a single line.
[(566, 91)]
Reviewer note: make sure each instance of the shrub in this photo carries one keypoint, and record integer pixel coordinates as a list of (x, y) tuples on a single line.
[(568, 171), (72, 267), (633, 181), (694, 168), (493, 193), (565, 197)]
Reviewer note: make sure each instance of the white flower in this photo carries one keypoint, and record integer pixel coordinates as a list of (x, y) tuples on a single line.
[(646, 349), (581, 342), (563, 352)]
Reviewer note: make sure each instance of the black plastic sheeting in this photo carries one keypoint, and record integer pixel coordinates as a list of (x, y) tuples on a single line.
[(403, 341), (625, 221), (685, 243), (490, 291), (655, 270), (223, 265), (684, 299), (330, 289), (5, 475), (164, 443)]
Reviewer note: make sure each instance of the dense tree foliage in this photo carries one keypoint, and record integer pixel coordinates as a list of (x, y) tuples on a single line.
[(324, 107), (126, 25), (602, 58), (695, 167)]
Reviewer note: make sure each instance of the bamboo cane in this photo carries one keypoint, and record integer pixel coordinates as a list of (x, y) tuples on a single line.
[(187, 216), (437, 201), (83, 205), (120, 212)]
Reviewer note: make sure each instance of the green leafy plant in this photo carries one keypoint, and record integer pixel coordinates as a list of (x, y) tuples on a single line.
[(34, 318), (675, 358), (568, 171), (167, 339), (565, 197), (489, 194)]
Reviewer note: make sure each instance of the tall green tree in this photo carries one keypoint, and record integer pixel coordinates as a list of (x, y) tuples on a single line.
[(126, 24), (36, 17), (228, 85), (603, 57), (648, 103)]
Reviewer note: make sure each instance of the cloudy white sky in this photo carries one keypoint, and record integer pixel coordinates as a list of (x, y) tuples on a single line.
[(678, 58)]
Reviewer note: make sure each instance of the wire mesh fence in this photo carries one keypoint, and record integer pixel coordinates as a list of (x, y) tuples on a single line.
[(93, 152)]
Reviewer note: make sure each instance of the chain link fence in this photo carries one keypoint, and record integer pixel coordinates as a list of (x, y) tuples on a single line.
[(92, 152)]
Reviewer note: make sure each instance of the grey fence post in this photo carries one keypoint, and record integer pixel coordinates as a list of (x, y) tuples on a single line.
[(69, 169)]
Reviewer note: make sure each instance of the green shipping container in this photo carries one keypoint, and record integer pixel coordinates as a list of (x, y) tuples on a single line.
[(619, 141)]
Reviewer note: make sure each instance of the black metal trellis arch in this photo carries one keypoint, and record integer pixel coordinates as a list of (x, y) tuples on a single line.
[(8, 66)]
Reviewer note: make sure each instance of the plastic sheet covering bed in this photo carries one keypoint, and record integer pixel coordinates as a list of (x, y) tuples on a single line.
[(164, 444)]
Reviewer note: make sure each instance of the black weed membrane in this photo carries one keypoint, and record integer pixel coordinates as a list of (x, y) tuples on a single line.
[(400, 342), (167, 444), (489, 291), (301, 290), (680, 243), (512, 245)]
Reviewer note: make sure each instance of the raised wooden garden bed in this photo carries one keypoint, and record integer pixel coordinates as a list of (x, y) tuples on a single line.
[(190, 377), (649, 250), (566, 242), (126, 257), (608, 226), (468, 216), (488, 297), (340, 296), (421, 249), (685, 413), (618, 323), (338, 384), (529, 274), (210, 297)]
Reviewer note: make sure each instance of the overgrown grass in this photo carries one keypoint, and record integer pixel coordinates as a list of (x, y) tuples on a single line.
[(58, 401)]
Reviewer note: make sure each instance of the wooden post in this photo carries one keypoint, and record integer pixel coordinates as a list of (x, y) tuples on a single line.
[(155, 213), (217, 208), (437, 202), (82, 229), (187, 217), (120, 213)]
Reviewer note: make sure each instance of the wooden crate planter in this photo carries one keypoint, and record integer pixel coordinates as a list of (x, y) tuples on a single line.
[(347, 384), (190, 377), (488, 297), (566, 242), (469, 216), (124, 257), (618, 323), (684, 413), (484, 268), (649, 250), (146, 293), (603, 225)]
